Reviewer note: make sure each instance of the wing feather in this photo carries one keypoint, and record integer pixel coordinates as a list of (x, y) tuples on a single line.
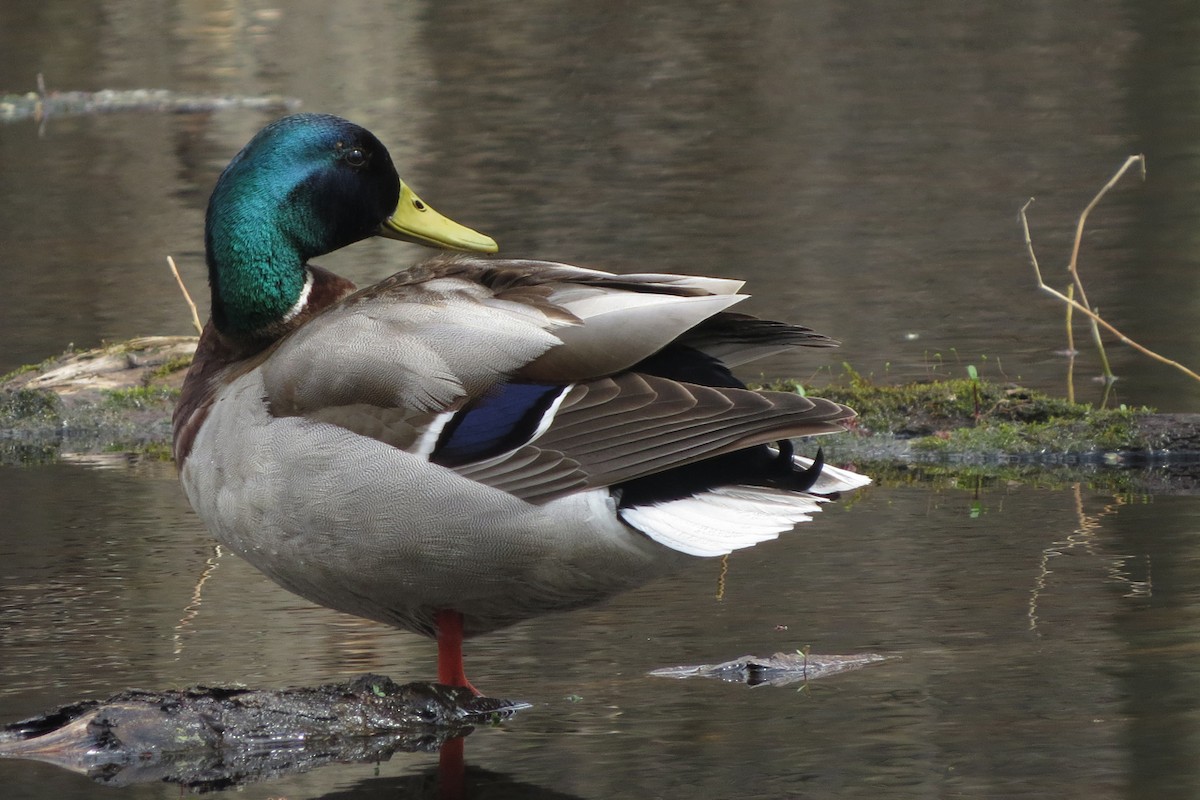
[(401, 358), (609, 442), (454, 327)]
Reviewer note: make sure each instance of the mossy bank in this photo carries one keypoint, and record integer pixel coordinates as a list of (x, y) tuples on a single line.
[(118, 399), (113, 399)]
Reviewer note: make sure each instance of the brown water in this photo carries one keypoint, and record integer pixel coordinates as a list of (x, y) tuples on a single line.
[(862, 166), (1046, 641)]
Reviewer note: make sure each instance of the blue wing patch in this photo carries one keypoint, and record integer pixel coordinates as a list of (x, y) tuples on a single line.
[(498, 422)]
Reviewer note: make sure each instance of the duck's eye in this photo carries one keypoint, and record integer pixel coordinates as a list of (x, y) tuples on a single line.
[(355, 157)]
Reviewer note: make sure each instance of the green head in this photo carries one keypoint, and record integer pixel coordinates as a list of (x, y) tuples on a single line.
[(305, 185)]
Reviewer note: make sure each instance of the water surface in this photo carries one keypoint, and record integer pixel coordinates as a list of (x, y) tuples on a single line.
[(1044, 642)]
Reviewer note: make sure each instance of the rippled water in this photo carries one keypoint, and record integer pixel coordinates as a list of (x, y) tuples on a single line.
[(862, 165), (1044, 640)]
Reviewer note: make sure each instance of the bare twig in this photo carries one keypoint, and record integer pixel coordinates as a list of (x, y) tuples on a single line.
[(186, 295), (1073, 266), (1077, 283), (1071, 351)]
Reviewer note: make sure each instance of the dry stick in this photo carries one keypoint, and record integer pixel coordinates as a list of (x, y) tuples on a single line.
[(1073, 266), (1076, 304), (1071, 351), (186, 295)]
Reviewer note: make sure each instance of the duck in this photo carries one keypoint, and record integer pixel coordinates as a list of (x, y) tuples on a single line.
[(475, 440)]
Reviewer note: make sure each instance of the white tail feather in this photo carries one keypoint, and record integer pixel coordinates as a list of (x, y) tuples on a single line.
[(719, 521)]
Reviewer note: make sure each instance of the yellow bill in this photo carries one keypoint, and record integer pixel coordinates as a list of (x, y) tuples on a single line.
[(415, 221)]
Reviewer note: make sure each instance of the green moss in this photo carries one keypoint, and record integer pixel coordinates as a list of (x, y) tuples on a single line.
[(974, 416), (23, 405), (19, 371), (41, 366), (139, 397), (1056, 435), (170, 367), (151, 451)]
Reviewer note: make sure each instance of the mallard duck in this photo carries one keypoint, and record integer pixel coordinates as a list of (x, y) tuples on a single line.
[(472, 441)]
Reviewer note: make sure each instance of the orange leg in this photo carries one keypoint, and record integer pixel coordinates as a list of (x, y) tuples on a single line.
[(450, 639)]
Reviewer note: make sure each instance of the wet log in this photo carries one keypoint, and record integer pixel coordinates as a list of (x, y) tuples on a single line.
[(208, 738)]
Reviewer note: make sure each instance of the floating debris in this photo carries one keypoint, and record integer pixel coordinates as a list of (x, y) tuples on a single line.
[(777, 670), (39, 105)]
